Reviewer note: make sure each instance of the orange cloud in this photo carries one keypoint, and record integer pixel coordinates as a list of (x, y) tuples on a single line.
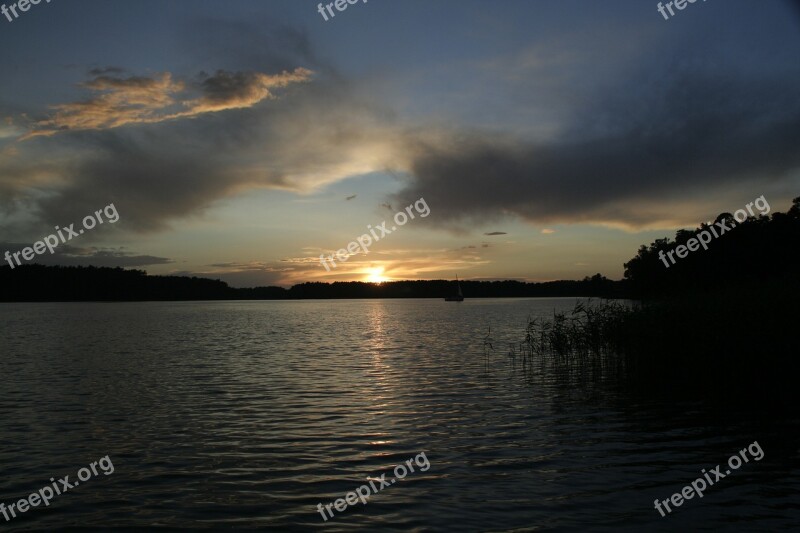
[(142, 100)]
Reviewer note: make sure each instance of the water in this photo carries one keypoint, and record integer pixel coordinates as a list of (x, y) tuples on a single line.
[(247, 415)]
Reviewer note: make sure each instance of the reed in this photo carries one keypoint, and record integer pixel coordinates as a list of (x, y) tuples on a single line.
[(732, 343), (591, 331)]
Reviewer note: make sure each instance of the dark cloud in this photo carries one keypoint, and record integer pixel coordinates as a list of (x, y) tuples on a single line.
[(694, 132), (66, 255), (352, 197), (236, 90), (106, 70), (496, 233)]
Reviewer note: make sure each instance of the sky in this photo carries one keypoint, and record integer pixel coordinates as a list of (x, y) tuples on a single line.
[(242, 140)]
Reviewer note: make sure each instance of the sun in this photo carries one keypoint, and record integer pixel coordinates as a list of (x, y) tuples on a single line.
[(375, 275)]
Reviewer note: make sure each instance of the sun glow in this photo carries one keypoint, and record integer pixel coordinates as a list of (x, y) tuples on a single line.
[(375, 275)]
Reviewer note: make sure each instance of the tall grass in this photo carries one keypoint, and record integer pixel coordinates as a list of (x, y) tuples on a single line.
[(591, 330)]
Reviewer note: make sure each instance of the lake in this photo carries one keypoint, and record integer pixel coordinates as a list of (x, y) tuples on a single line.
[(248, 415)]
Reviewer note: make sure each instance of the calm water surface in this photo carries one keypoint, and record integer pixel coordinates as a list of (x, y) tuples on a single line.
[(246, 415)]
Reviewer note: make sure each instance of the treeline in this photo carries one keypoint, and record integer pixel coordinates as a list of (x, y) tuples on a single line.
[(37, 283), (596, 286), (759, 250)]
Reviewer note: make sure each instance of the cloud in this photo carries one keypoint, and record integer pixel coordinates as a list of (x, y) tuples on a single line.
[(120, 101), (353, 197), (226, 90), (548, 231), (197, 141), (166, 170), (66, 255), (100, 71), (632, 152), (633, 165), (496, 233)]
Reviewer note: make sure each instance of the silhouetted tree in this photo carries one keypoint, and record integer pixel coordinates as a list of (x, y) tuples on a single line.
[(757, 249)]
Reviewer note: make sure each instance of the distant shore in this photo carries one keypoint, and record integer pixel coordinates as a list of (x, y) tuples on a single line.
[(37, 283)]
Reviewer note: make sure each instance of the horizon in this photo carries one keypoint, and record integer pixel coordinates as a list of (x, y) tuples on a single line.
[(366, 282)]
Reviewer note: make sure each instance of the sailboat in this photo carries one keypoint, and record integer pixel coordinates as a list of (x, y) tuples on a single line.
[(457, 298)]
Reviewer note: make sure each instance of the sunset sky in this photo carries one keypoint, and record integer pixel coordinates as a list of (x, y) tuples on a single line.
[(242, 139)]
